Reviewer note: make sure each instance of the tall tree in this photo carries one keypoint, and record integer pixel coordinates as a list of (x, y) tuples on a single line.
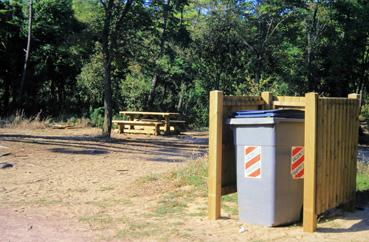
[(28, 50), (115, 13)]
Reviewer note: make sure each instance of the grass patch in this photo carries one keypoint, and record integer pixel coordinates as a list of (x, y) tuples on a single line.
[(171, 203), (194, 174), (230, 198), (136, 230), (362, 177), (362, 182), (193, 178), (148, 178), (107, 203), (230, 204), (178, 188)]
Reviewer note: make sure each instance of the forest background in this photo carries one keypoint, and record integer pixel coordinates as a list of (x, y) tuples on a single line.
[(92, 58)]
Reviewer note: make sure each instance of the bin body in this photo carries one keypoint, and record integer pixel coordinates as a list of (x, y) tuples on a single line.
[(268, 194)]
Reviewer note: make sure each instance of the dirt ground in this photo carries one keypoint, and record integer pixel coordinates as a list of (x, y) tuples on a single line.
[(71, 185)]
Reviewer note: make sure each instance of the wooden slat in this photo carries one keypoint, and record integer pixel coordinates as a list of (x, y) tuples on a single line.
[(338, 176), (332, 136), (345, 130), (235, 101), (128, 122), (215, 154), (335, 138), (310, 216), (328, 161), (286, 101)]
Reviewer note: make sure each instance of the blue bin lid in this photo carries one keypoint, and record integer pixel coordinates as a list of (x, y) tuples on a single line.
[(277, 113)]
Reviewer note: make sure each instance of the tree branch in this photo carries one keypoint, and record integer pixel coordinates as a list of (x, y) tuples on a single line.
[(103, 4)]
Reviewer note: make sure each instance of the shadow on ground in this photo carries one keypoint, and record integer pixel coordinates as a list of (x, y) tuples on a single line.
[(361, 213), (157, 148)]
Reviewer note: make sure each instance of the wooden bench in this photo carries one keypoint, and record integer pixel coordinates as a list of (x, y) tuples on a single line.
[(155, 124), (176, 126)]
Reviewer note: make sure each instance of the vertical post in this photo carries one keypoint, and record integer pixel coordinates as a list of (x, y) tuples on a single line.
[(353, 170), (166, 124), (268, 99), (215, 154), (311, 127)]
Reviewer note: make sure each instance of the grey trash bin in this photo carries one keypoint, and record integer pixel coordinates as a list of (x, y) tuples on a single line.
[(270, 156)]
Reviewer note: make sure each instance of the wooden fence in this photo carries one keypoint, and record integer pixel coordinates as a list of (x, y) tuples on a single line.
[(331, 134)]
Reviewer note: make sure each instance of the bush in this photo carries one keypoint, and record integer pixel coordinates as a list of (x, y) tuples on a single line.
[(97, 117)]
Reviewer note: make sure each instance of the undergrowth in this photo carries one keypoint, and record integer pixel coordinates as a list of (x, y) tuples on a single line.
[(20, 120)]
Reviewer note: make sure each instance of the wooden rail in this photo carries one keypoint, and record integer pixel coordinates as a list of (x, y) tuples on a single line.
[(331, 135)]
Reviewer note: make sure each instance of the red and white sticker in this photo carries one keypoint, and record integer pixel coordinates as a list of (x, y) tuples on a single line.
[(297, 162), (252, 163)]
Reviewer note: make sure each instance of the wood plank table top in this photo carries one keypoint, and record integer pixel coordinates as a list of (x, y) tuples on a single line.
[(148, 113)]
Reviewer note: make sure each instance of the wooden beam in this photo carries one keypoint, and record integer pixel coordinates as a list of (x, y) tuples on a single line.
[(268, 99), (311, 127), (215, 154)]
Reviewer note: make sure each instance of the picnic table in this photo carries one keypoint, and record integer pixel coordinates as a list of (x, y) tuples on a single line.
[(155, 119)]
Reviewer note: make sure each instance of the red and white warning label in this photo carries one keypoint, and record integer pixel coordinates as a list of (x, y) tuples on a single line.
[(297, 162), (252, 163)]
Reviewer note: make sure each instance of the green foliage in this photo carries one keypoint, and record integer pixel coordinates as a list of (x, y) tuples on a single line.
[(97, 117), (134, 89), (365, 112), (90, 80), (188, 47)]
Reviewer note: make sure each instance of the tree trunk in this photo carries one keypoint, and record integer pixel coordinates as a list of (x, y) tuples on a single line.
[(26, 59), (106, 131), (258, 69), (151, 97), (108, 113), (308, 63), (181, 97), (6, 97), (311, 38)]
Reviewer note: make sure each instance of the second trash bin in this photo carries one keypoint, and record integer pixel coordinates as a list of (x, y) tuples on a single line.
[(270, 155)]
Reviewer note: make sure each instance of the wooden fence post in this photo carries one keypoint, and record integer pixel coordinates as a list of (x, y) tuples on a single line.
[(355, 96), (268, 99), (355, 141), (215, 154), (311, 126)]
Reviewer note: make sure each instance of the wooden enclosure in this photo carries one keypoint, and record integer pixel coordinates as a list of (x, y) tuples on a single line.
[(331, 134)]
